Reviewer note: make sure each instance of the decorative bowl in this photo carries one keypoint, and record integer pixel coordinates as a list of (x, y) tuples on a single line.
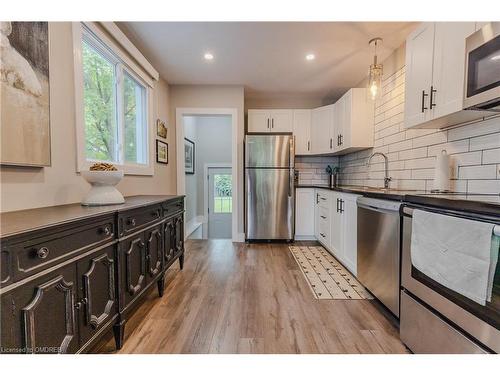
[(102, 191)]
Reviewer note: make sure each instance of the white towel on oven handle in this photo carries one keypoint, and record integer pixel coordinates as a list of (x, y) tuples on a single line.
[(457, 253)]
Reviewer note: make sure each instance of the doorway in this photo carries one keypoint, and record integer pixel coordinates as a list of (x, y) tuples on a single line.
[(208, 142), (220, 202)]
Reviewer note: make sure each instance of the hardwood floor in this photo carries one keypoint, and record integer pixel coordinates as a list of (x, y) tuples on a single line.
[(241, 298)]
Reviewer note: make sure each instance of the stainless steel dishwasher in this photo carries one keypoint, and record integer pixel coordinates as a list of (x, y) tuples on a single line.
[(379, 227)]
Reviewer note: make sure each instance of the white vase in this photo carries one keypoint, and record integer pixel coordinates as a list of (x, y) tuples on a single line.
[(103, 191)]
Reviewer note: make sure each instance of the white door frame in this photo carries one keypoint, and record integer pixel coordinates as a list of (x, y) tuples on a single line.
[(181, 177), (206, 202)]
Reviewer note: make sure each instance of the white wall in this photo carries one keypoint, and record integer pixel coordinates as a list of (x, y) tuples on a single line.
[(190, 132), (215, 96), (23, 188)]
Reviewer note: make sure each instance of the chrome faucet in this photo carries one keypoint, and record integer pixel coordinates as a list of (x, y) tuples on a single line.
[(387, 179)]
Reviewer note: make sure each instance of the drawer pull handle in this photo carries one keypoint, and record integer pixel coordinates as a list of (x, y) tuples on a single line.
[(323, 199), (106, 231), (322, 235), (131, 222), (323, 217), (42, 253)]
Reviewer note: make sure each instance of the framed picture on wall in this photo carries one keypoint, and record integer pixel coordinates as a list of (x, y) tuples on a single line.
[(161, 152), (161, 129), (188, 156)]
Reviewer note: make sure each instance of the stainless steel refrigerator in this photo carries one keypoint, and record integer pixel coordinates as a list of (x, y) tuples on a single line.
[(269, 187)]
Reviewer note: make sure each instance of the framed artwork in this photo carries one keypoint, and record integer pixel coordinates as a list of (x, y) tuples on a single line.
[(161, 152), (161, 129), (188, 156), (24, 93)]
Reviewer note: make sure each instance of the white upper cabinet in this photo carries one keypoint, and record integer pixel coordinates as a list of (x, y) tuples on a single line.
[(258, 121), (434, 83), (322, 130), (274, 120), (302, 131), (353, 124), (281, 120), (418, 80)]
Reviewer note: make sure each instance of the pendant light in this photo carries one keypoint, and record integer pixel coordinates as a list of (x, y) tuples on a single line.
[(375, 73)]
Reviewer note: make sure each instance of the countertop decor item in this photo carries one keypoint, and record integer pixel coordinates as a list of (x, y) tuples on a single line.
[(332, 175), (103, 190)]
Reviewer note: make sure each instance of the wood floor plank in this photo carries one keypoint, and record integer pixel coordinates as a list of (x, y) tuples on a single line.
[(251, 298)]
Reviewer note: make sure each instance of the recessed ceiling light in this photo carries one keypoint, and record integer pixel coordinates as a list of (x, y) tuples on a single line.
[(208, 56), (310, 56)]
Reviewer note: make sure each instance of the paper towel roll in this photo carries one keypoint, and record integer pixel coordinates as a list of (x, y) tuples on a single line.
[(442, 172)]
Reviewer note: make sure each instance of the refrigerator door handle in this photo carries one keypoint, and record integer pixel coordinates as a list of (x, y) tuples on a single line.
[(290, 190)]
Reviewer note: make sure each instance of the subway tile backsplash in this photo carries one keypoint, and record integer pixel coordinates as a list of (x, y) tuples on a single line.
[(474, 151), (312, 169)]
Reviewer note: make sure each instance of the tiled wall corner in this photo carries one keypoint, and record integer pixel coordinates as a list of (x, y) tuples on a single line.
[(312, 169)]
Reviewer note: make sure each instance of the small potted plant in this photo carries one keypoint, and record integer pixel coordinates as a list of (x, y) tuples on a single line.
[(332, 172)]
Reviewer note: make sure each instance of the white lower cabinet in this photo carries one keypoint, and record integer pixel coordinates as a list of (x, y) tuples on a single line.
[(304, 214), (336, 225)]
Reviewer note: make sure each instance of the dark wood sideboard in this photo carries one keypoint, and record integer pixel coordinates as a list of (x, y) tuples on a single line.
[(70, 273)]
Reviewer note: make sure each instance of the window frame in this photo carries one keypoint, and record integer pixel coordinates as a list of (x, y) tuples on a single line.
[(103, 44)]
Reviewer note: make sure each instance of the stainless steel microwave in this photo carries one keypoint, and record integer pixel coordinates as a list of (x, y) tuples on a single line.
[(482, 69)]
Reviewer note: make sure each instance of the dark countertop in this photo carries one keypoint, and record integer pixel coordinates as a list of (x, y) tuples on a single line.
[(392, 194), (475, 203), (15, 222)]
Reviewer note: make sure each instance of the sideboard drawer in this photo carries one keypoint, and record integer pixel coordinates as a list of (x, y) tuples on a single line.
[(44, 251), (133, 220), (171, 208)]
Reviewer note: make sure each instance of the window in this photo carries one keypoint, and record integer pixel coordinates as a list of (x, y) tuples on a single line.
[(223, 194), (115, 109)]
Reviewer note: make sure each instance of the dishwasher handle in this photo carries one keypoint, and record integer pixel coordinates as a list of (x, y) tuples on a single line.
[(379, 205)]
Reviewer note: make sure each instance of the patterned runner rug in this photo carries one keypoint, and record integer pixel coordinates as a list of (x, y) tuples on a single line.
[(327, 278)]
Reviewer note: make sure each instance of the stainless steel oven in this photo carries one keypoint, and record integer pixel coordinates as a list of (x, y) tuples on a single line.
[(435, 319), (482, 69)]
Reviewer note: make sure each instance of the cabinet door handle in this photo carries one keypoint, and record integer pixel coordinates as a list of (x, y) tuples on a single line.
[(341, 206), (423, 100), (308, 145), (337, 205), (323, 217), (272, 123), (431, 104), (331, 142), (322, 235), (341, 139), (338, 140), (317, 198), (268, 123)]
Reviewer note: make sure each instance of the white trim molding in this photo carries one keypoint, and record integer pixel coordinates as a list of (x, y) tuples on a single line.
[(125, 63), (235, 169)]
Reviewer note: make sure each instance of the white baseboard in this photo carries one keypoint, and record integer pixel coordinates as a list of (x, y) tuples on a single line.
[(240, 237), (305, 238), (192, 225)]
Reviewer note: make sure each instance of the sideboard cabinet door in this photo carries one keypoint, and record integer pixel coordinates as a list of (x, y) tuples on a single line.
[(97, 301), (40, 316), (132, 268), (154, 252)]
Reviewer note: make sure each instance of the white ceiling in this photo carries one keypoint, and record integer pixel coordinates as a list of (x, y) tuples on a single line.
[(268, 58)]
